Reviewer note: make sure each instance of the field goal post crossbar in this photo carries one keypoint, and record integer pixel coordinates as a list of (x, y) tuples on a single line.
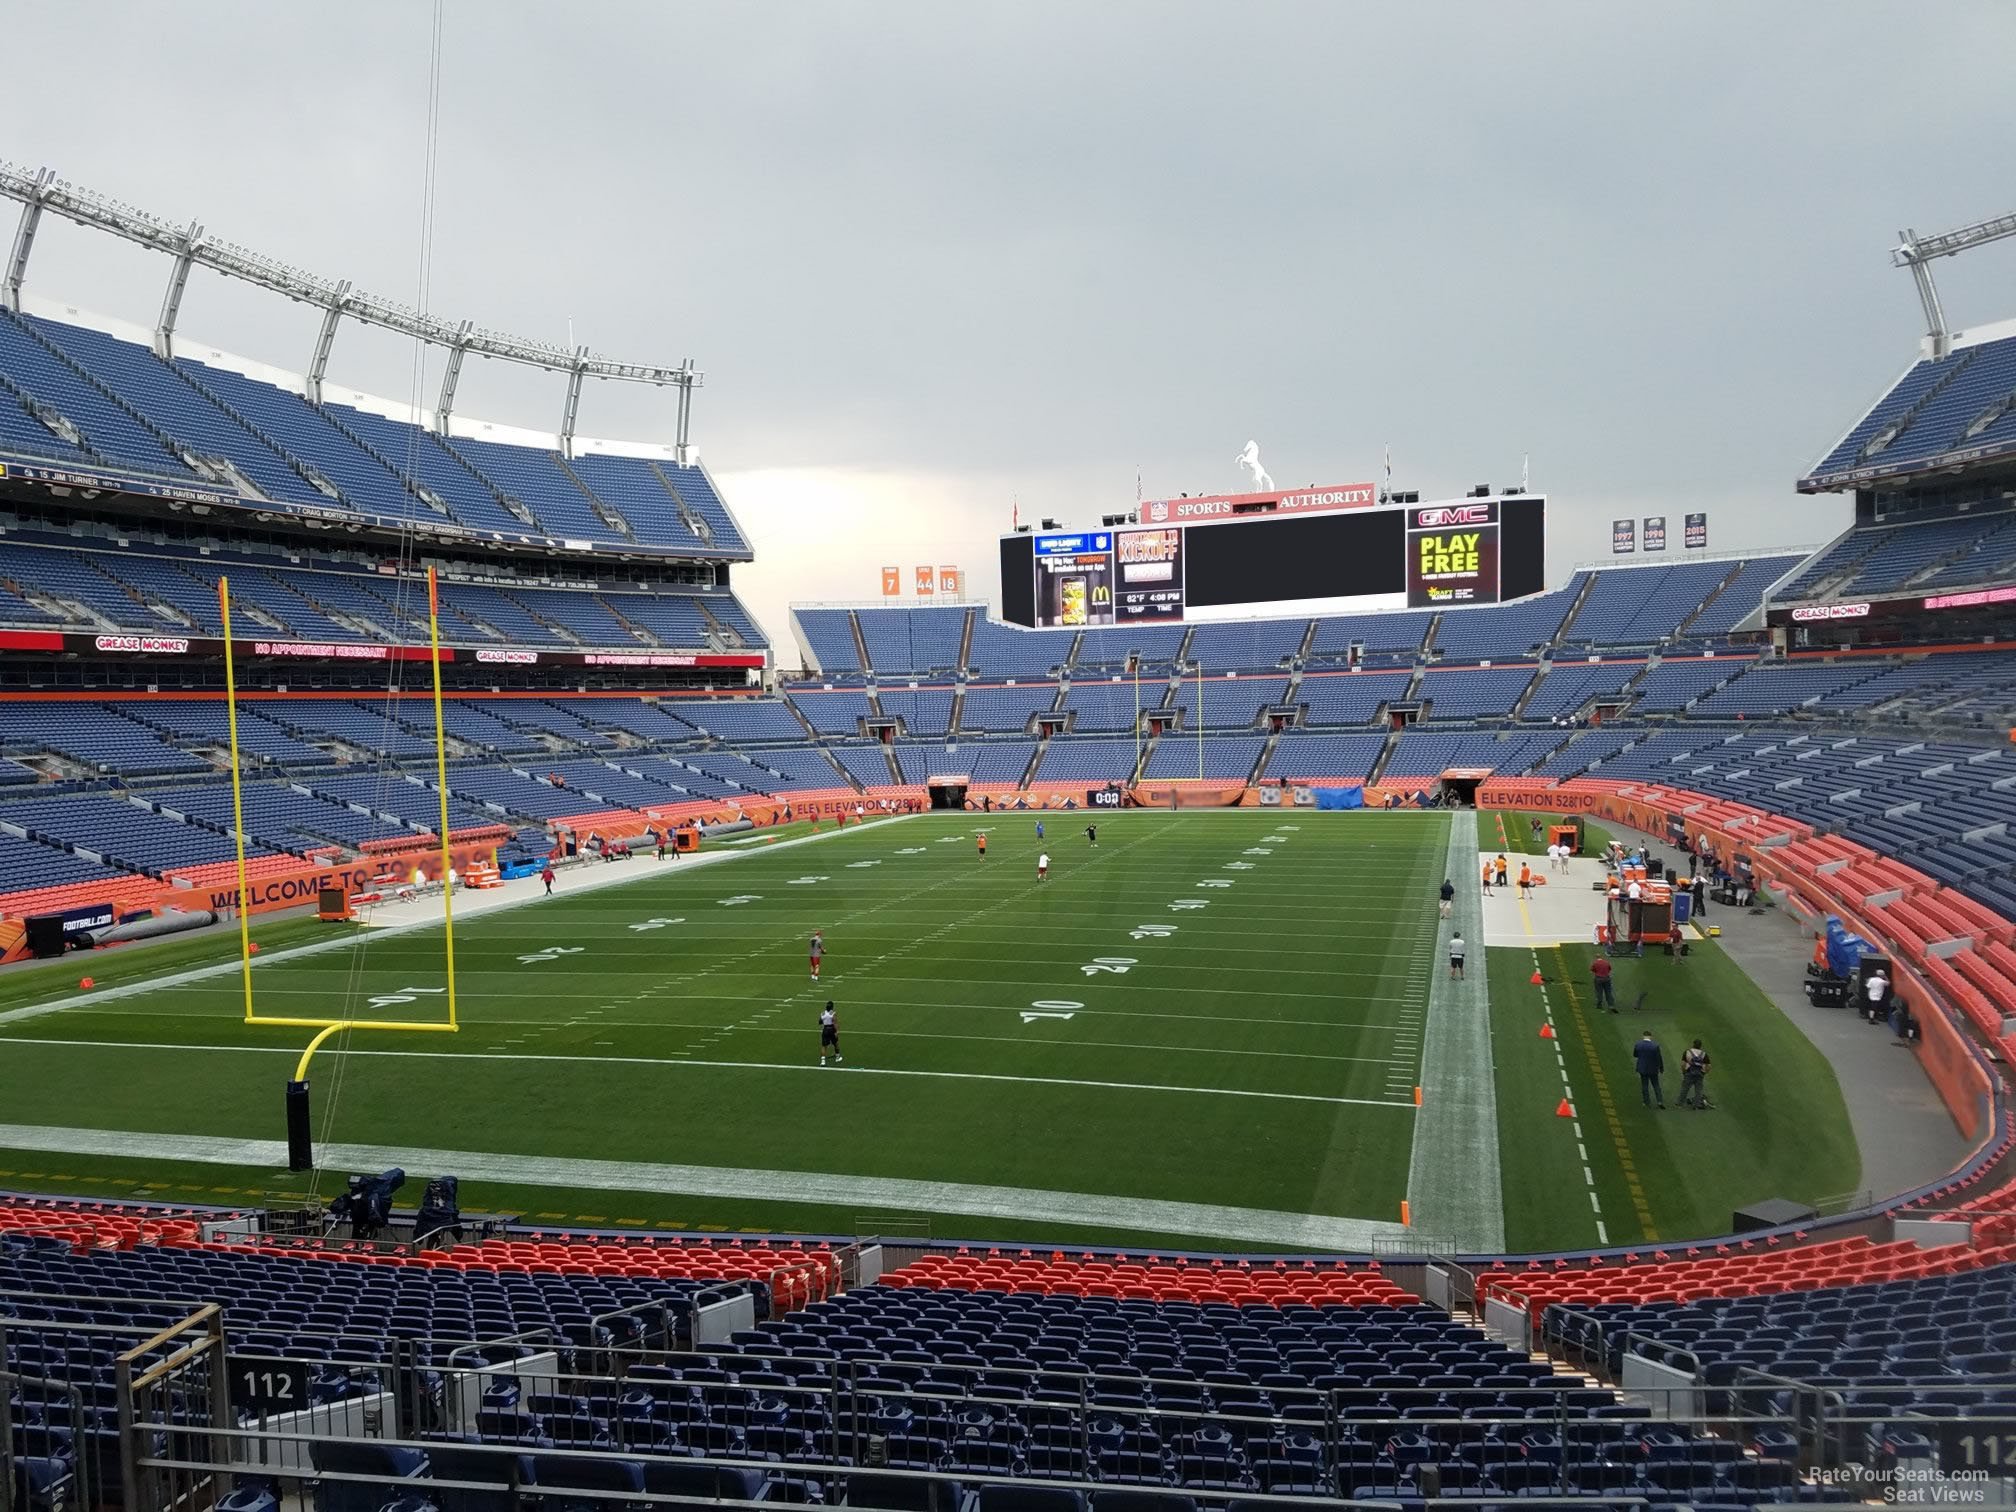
[(300, 1155)]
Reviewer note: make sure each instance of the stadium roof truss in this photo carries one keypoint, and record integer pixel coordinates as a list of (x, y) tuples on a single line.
[(188, 246)]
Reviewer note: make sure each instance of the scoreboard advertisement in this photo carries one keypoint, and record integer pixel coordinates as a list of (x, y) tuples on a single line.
[(1452, 555), (1201, 565), (1074, 579)]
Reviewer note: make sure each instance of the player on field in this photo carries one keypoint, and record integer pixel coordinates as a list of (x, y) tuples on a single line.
[(818, 951), (1043, 867), (829, 1034), (1039, 829), (1092, 834), (983, 845)]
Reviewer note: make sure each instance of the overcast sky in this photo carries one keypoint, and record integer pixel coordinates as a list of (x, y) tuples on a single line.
[(937, 258)]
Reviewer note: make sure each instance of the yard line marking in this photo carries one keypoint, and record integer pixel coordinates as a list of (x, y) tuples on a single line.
[(721, 1065), (1259, 1226), (1454, 1183), (477, 906), (1078, 1044)]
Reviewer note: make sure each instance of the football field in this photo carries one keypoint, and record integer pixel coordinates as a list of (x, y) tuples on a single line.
[(1208, 1030)]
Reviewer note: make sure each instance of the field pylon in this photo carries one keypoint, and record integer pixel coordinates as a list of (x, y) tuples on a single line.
[(1546, 1031), (1565, 1110), (85, 984)]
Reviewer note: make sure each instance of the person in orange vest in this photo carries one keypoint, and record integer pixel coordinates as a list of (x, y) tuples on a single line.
[(1525, 878), (1487, 879)]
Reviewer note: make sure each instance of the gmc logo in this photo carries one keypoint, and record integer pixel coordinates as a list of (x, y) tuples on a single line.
[(1452, 514)]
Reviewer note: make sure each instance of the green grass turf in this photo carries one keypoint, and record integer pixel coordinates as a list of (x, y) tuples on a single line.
[(1513, 833), (694, 1041), (1778, 1128)]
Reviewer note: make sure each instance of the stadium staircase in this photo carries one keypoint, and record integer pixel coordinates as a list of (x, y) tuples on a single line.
[(964, 659), (693, 520), (723, 635), (1378, 773), (1035, 760), (1301, 657), (308, 473), (1147, 754), (1260, 762), (1735, 571), (84, 375), (606, 512), (1540, 675), (1903, 422), (958, 710), (1581, 597), (636, 631), (860, 641), (552, 627)]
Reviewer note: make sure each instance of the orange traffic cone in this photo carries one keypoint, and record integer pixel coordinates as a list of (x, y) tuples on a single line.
[(1546, 1031), (1536, 979), (85, 985), (1566, 1110)]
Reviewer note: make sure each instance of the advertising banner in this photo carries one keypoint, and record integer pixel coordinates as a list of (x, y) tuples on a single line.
[(295, 889), (1623, 537), (1151, 576), (1655, 532), (1697, 531), (1074, 579), (1225, 506), (892, 582), (1452, 555)]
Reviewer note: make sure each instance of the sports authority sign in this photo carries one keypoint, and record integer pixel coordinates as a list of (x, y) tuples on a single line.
[(1226, 506)]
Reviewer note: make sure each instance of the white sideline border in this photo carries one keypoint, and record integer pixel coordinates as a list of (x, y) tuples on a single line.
[(467, 904), (812, 1188)]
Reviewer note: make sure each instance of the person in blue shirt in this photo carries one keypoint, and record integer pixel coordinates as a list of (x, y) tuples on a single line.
[(1651, 1063), (1039, 829)]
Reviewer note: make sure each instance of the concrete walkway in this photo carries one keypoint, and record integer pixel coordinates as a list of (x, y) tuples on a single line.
[(1453, 1183)]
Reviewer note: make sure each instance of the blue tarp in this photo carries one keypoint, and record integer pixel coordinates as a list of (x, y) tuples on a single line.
[(1844, 950), (1340, 797)]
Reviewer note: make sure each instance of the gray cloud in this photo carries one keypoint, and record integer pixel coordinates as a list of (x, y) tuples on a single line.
[(1032, 246)]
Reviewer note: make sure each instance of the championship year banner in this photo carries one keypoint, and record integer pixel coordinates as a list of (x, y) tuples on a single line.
[(1655, 532), (1623, 537), (1697, 531)]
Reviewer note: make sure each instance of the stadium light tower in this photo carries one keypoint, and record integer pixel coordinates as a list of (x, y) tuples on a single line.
[(1917, 254), (189, 247)]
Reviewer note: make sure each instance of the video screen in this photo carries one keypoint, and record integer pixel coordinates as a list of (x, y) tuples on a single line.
[(1150, 565), (1074, 580)]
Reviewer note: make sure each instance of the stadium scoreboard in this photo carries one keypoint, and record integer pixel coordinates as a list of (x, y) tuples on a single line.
[(1326, 551)]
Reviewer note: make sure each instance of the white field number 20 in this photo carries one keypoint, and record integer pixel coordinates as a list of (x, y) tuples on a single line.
[(550, 953), (1118, 965), (403, 995)]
